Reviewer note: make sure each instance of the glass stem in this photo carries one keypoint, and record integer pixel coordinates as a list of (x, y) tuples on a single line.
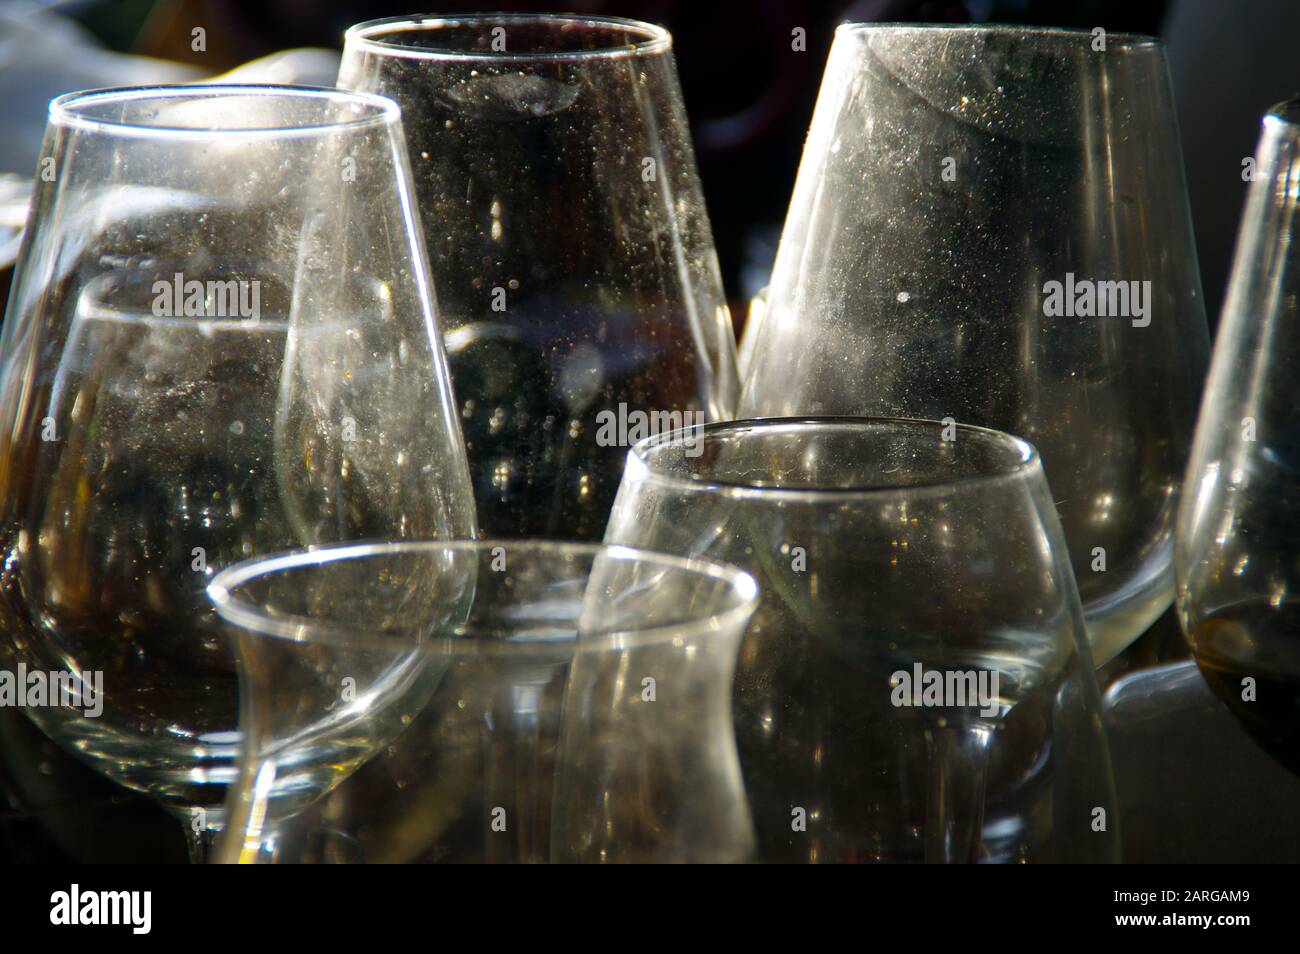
[(200, 843), (955, 800)]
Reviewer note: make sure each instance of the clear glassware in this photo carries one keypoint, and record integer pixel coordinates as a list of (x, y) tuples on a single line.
[(220, 343), (881, 546), (970, 201), (486, 701), (569, 244), (757, 309), (1238, 549)]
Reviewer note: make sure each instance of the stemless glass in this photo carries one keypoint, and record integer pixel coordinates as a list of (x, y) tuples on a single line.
[(486, 701), (990, 224), (569, 243), (891, 553), (1238, 552), (220, 343)]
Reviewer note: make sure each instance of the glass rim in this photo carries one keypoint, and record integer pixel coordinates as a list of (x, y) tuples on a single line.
[(64, 110), (654, 39), (1027, 459), (221, 592), (1286, 112), (1126, 40)]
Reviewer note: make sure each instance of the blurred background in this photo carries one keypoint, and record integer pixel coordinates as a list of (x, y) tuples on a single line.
[(1179, 756)]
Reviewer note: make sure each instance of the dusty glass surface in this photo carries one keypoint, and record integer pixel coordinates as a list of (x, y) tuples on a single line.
[(990, 224), (569, 244)]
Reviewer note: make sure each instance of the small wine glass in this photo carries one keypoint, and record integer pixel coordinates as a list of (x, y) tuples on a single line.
[(509, 701), (1238, 549), (889, 554), (990, 225), (220, 343), (569, 243)]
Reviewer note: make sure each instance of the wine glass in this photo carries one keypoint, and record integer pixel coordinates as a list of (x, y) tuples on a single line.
[(1238, 550), (554, 701), (889, 554), (569, 243), (990, 225), (220, 343)]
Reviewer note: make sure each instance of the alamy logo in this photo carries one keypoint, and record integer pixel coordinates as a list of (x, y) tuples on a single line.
[(946, 688), (1087, 299), (623, 428), (76, 690), (103, 907), (179, 298)]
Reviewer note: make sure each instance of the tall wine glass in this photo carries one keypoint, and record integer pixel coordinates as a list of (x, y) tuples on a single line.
[(554, 701), (568, 239), (1238, 553), (220, 343), (990, 225), (890, 553)]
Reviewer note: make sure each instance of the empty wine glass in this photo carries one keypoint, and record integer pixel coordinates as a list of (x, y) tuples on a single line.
[(569, 243), (990, 225), (488, 701), (220, 343), (916, 684), (1238, 552)]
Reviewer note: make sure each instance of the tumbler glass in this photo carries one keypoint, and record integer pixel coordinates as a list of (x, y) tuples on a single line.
[(569, 243), (916, 684), (991, 226), (1238, 552), (220, 343), (489, 701)]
